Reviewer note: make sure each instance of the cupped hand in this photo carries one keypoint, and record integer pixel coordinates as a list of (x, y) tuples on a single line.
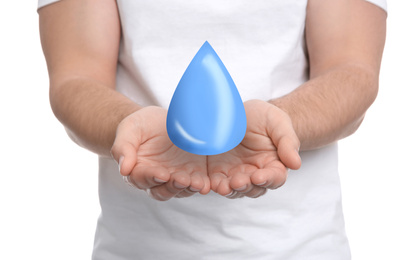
[(260, 161), (152, 162)]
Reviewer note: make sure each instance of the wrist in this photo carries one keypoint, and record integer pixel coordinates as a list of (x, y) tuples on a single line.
[(144, 120)]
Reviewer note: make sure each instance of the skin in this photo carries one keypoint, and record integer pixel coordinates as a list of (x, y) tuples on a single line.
[(80, 39), (345, 42), (153, 162)]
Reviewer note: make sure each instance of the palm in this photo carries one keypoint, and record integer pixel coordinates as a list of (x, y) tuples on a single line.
[(159, 151), (151, 160), (255, 164), (248, 168)]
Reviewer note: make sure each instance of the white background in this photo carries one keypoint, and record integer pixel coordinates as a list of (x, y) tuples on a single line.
[(48, 185)]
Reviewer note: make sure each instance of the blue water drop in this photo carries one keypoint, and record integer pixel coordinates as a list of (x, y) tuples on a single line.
[(206, 114)]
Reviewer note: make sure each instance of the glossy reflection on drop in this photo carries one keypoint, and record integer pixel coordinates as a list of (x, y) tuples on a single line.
[(222, 101), (186, 135), (206, 114)]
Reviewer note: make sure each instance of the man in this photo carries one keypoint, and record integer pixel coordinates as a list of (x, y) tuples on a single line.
[(307, 71)]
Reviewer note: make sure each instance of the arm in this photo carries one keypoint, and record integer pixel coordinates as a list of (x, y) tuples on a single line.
[(80, 39), (345, 41)]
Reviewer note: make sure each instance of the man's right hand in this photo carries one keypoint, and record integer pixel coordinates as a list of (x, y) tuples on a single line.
[(152, 162)]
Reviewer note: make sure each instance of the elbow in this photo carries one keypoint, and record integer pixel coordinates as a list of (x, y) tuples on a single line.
[(368, 84), (372, 91), (56, 102), (59, 105), (73, 137), (353, 127)]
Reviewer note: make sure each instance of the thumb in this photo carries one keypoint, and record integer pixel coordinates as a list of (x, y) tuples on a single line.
[(282, 134), (124, 151), (288, 153)]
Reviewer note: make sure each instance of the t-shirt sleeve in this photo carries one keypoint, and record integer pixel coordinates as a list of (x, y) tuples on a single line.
[(42, 3), (379, 3)]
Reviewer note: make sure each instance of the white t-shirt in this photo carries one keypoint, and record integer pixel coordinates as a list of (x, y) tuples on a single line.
[(262, 45)]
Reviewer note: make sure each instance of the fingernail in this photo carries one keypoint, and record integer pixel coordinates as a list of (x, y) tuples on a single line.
[(263, 183), (194, 189), (120, 161), (241, 188), (231, 193), (159, 180), (128, 181), (179, 186)]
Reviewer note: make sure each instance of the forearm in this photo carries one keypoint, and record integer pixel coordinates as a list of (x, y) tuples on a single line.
[(90, 112), (80, 40), (330, 106)]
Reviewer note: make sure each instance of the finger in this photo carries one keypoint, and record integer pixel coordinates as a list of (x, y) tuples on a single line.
[(215, 180), (255, 192), (127, 180), (240, 180), (288, 153), (125, 154), (234, 195), (124, 148), (199, 183), (178, 182), (161, 193), (220, 184), (149, 176), (185, 193), (280, 129), (207, 186), (272, 176)]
